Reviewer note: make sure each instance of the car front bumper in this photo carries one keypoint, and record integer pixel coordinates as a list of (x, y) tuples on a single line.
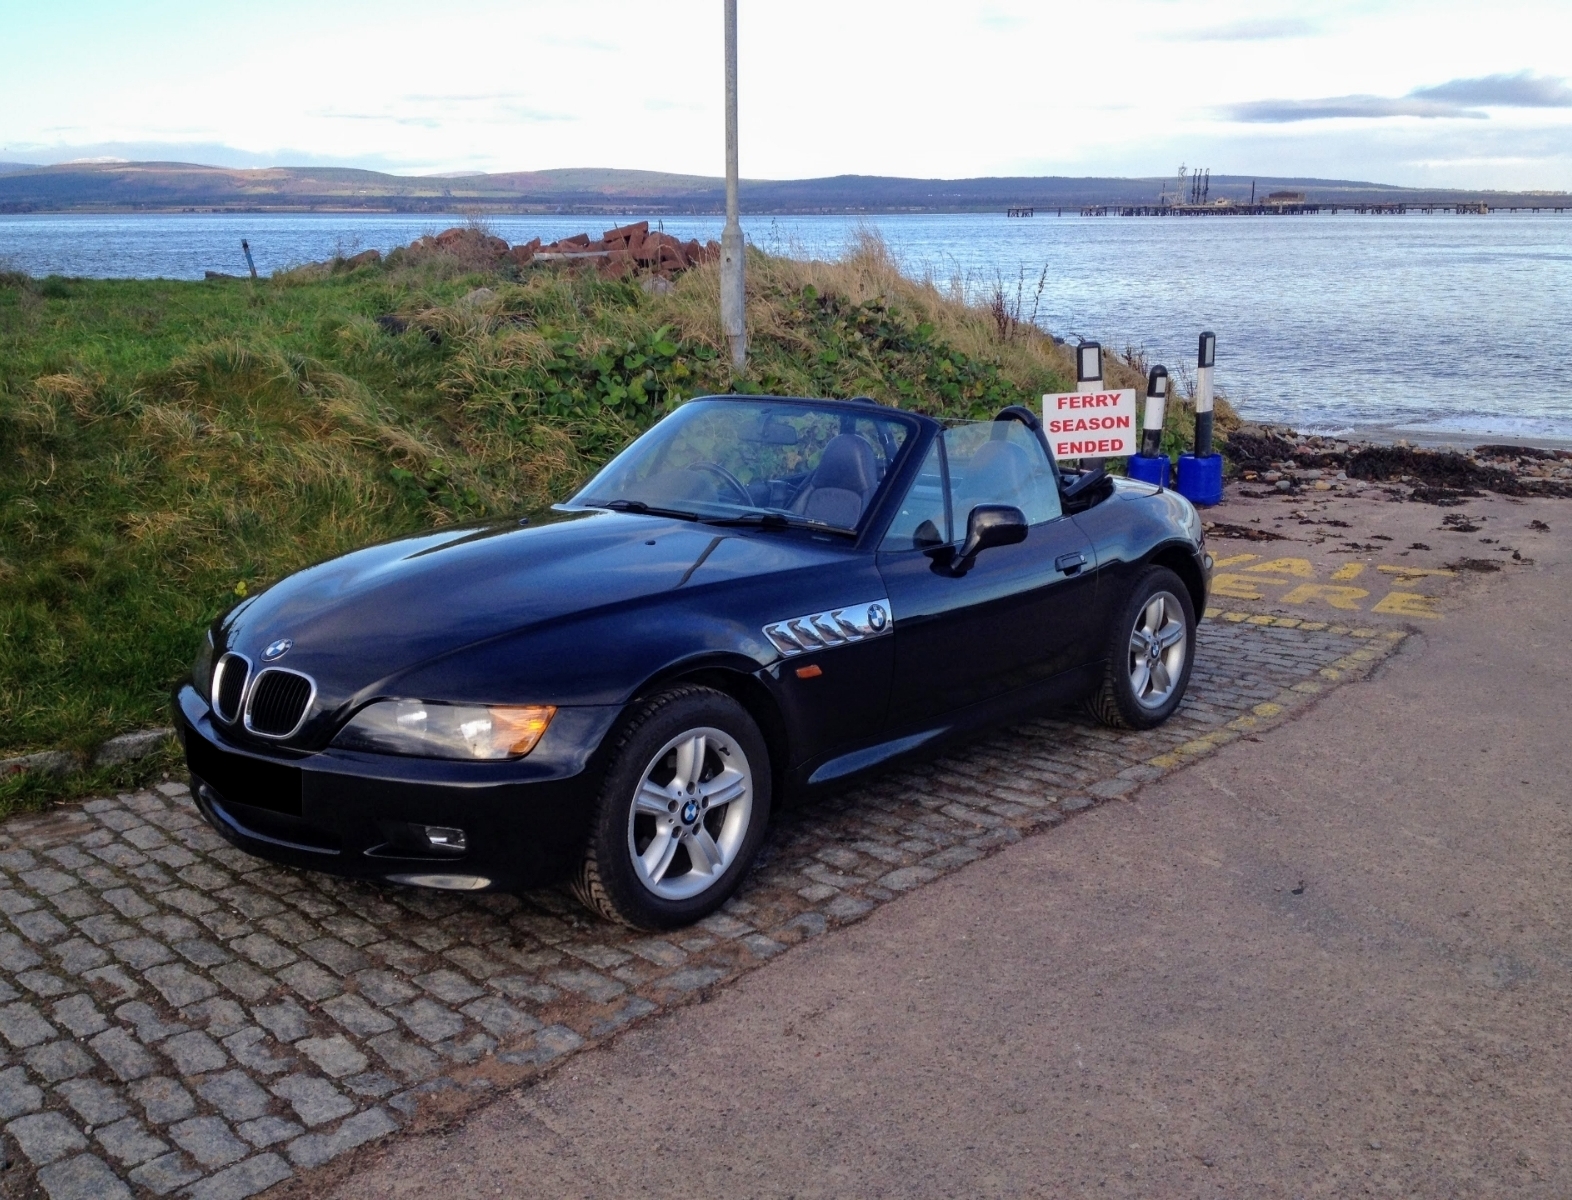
[(364, 815)]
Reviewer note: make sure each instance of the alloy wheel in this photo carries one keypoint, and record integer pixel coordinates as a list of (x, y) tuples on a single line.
[(1157, 650), (690, 816)]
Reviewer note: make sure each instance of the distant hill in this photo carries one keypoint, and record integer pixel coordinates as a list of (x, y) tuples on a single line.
[(9, 168), (167, 186)]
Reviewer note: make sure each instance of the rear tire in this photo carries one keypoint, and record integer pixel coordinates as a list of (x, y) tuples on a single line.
[(1150, 651), (681, 812)]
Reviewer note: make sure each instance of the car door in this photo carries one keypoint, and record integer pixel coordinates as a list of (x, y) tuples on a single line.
[(1021, 615)]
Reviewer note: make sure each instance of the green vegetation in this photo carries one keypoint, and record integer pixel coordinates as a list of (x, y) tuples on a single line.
[(166, 447)]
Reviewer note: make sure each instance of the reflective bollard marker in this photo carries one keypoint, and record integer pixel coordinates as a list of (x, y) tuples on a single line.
[(1151, 464), (1200, 475)]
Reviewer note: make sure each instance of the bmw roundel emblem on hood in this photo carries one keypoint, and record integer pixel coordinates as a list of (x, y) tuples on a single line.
[(277, 650)]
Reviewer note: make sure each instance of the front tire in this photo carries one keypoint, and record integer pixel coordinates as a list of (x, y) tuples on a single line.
[(1150, 651), (681, 812)]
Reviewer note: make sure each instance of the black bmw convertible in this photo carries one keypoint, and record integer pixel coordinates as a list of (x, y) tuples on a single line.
[(760, 597)]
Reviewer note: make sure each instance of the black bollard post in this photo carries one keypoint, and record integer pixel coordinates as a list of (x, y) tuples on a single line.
[(1088, 372), (1151, 464), (1200, 475), (1156, 402), (1206, 356), (246, 246)]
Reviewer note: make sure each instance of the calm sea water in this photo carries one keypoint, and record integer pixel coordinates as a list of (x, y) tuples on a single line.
[(1434, 323)]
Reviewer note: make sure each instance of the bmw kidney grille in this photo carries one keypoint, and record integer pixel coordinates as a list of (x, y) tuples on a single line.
[(229, 686), (278, 703)]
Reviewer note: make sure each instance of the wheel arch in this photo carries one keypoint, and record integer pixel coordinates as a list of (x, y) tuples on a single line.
[(742, 685), (1180, 559)]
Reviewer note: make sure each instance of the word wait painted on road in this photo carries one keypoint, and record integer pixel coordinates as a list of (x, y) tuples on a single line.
[(1091, 424)]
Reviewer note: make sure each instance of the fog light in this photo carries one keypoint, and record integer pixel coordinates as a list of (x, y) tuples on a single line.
[(447, 883), (443, 838)]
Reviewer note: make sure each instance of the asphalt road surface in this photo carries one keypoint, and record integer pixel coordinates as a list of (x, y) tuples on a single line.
[(1332, 961)]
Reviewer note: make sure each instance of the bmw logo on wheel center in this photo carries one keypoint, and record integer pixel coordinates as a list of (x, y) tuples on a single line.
[(277, 650)]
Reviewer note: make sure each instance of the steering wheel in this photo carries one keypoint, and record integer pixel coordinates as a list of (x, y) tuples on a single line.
[(725, 477)]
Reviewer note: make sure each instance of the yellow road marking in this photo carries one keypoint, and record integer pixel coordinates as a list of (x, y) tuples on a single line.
[(1351, 571), (1407, 604), (1413, 572), (1235, 587), (1285, 566), (1234, 560), (1337, 597), (1267, 709)]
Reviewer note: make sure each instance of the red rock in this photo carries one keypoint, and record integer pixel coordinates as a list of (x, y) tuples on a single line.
[(626, 232)]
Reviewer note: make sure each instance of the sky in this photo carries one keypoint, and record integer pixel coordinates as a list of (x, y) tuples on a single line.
[(1436, 93)]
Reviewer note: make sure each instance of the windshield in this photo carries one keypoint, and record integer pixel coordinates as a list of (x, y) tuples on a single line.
[(768, 462)]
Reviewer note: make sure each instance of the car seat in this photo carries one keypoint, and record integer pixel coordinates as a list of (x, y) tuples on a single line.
[(841, 484)]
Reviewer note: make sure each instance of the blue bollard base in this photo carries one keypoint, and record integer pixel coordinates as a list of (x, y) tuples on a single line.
[(1201, 479), (1149, 468)]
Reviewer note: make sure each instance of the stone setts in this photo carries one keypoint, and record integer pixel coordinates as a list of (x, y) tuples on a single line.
[(179, 1017)]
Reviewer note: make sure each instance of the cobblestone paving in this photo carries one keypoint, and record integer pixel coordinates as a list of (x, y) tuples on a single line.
[(180, 1017)]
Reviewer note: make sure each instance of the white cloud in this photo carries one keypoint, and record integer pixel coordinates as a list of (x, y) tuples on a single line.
[(1253, 29), (876, 87)]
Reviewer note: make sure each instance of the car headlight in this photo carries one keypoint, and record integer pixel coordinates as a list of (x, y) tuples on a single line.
[(202, 669), (487, 731)]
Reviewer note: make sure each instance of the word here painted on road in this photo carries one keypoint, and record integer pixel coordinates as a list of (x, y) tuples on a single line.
[(1091, 424), (1339, 591)]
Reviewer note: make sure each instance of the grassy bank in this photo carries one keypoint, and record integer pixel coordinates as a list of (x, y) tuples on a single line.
[(168, 446)]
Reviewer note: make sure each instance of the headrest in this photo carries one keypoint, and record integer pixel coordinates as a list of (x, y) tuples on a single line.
[(848, 462), (998, 468)]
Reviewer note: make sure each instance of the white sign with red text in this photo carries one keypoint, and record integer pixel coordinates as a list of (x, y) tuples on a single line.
[(1091, 424)]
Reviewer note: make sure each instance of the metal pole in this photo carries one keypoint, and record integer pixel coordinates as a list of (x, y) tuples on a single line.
[(246, 246), (733, 295)]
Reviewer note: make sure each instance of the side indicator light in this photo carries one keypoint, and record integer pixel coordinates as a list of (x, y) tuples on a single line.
[(812, 671)]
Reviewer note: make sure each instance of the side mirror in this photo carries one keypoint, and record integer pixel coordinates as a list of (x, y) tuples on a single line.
[(988, 526)]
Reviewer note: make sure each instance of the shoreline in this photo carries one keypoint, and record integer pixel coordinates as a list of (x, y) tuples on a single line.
[(482, 208), (1443, 439)]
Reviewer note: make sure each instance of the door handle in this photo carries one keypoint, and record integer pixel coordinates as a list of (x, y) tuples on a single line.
[(1070, 563)]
